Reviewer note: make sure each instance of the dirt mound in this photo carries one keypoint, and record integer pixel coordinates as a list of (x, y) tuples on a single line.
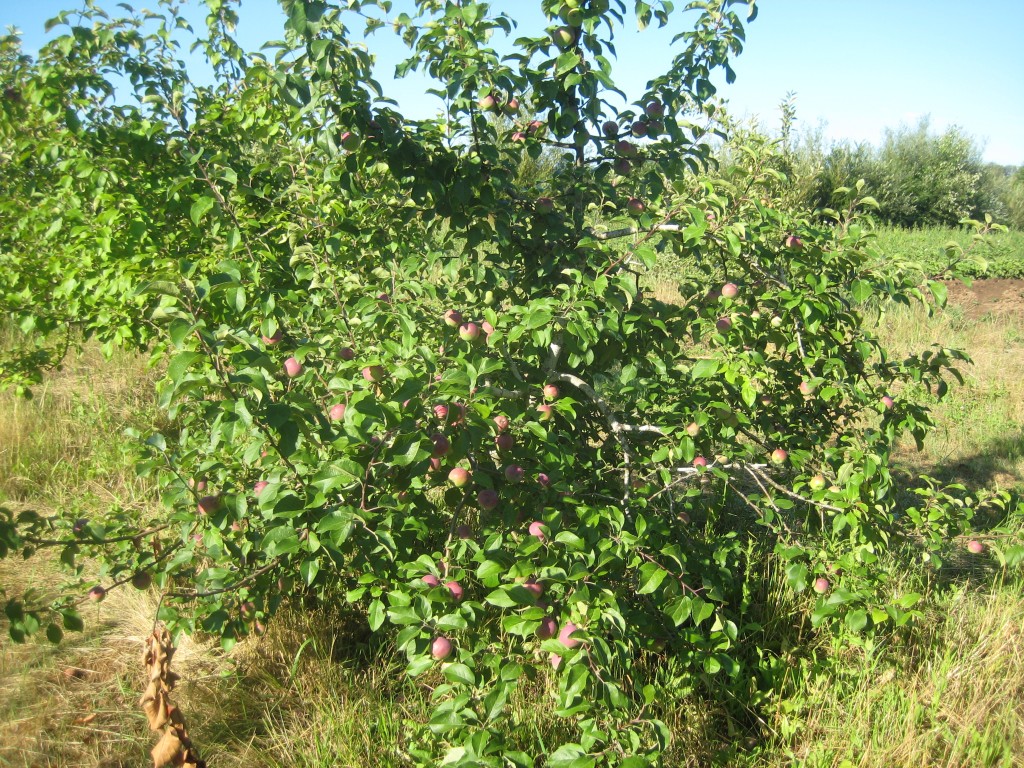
[(997, 296)]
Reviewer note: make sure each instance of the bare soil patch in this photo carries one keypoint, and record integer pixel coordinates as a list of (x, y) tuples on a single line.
[(996, 296)]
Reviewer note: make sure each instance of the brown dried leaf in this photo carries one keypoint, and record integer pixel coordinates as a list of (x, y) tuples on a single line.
[(154, 704), (168, 750), (86, 719)]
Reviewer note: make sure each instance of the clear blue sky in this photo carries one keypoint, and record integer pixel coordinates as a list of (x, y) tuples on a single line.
[(856, 66)]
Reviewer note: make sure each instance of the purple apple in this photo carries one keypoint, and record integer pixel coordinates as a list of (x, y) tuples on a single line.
[(441, 444), (625, 148), (487, 499), (504, 442), (347, 353), (431, 580), (543, 480), (610, 128), (514, 473), (654, 108), (639, 129), (635, 206), (548, 628)]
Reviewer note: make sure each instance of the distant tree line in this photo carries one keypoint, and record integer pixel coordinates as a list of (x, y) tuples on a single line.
[(919, 178)]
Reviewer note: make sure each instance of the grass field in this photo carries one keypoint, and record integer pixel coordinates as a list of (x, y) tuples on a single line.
[(949, 692)]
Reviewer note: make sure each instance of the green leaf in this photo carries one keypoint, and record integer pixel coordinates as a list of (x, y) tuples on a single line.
[(460, 673), (200, 208), (704, 369)]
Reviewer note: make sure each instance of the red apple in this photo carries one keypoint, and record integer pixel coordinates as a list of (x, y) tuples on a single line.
[(543, 480), (730, 290), (469, 332), (724, 324), (635, 206), (350, 141), (487, 499), (806, 388), (639, 129), (821, 585), (654, 108), (441, 648), (792, 241), (693, 429), (504, 442), (464, 532), (534, 587), (545, 412), (887, 402), (537, 530), (347, 353), (545, 205), (779, 456), (459, 477), (550, 391), (257, 489), (453, 318), (488, 103), (441, 412), (501, 422), (975, 547), (292, 367), (514, 473), (622, 166), (555, 661), (373, 373), (97, 593), (565, 636), (278, 335), (700, 462), (431, 580), (511, 106), (625, 148), (455, 589), (337, 412)]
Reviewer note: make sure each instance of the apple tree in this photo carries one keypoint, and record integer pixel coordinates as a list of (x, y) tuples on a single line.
[(399, 373)]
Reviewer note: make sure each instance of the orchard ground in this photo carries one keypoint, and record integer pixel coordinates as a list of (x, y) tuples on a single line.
[(949, 692)]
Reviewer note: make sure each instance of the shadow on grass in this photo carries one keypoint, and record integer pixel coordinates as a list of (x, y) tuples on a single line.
[(994, 465)]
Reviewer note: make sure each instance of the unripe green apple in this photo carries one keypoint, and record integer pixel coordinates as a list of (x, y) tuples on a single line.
[(453, 318), (816, 483), (350, 141), (488, 103), (469, 332), (564, 37)]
